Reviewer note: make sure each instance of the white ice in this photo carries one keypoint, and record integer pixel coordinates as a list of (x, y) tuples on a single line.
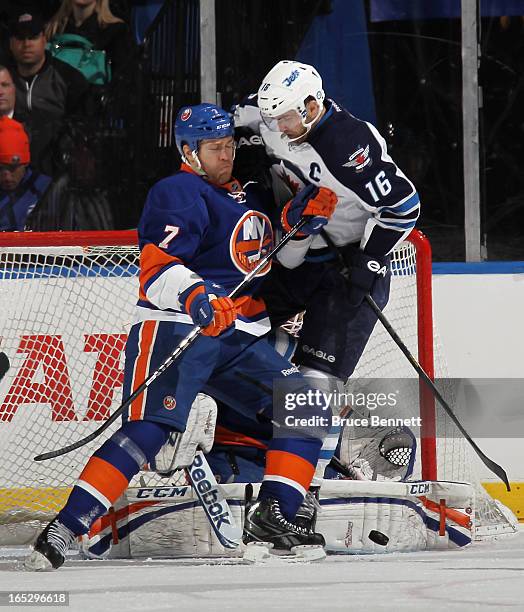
[(484, 576)]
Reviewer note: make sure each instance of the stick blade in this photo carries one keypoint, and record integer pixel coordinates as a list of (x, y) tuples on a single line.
[(497, 470)]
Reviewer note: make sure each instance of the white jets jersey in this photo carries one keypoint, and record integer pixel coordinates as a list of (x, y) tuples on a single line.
[(377, 204)]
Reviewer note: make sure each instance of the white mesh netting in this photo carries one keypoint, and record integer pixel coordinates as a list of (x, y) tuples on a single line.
[(64, 316)]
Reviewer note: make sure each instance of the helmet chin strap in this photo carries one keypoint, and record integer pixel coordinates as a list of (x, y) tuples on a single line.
[(196, 165), (308, 126)]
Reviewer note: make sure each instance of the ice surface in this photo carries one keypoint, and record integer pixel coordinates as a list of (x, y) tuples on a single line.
[(485, 576)]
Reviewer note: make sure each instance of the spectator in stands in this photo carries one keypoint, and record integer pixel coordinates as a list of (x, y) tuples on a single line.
[(9, 9), (7, 93), (21, 188), (94, 20), (47, 90)]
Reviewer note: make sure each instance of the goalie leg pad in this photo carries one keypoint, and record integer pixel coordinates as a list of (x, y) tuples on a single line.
[(180, 448), (168, 522)]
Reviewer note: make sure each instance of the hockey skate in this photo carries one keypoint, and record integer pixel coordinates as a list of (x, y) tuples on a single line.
[(267, 532), (50, 548)]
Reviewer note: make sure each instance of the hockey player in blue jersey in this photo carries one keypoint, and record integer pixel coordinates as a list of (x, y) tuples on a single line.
[(200, 233), (312, 141)]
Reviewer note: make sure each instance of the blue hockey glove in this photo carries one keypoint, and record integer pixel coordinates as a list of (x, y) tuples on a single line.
[(208, 305), (314, 202)]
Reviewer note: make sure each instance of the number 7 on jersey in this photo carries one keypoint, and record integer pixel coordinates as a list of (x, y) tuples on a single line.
[(172, 232)]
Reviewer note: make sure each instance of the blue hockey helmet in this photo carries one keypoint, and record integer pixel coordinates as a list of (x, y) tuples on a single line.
[(201, 122)]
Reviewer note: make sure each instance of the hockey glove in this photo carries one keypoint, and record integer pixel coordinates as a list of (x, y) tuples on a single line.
[(363, 273), (209, 307), (314, 202)]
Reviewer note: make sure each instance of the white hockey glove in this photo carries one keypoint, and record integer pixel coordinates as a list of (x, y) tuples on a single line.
[(180, 449), (361, 469)]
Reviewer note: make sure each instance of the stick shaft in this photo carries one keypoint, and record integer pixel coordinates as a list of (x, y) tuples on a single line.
[(179, 350), (489, 463)]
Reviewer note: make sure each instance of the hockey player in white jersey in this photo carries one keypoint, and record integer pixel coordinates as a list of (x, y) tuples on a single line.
[(314, 141)]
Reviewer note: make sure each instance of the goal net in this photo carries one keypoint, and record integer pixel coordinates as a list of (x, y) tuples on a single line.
[(66, 306)]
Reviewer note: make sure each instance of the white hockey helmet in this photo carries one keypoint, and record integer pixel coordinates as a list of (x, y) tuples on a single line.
[(286, 86)]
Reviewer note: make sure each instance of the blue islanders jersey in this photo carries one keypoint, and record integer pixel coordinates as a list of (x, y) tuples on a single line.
[(191, 229), (377, 204)]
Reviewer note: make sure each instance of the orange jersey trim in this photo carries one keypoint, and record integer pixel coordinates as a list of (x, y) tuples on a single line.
[(189, 300), (289, 465), (231, 186), (249, 307), (152, 260), (104, 477)]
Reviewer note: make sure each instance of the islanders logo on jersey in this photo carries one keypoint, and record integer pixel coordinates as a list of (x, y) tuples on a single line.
[(251, 240)]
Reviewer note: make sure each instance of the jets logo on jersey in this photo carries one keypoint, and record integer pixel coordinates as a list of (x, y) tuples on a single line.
[(359, 159), (251, 240), (186, 114), (294, 182)]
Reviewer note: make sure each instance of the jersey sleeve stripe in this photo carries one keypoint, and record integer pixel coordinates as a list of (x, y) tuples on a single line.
[(412, 203), (153, 262), (402, 226), (145, 288), (390, 214), (193, 294)]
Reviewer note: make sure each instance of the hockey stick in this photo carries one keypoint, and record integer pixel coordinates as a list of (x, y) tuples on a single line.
[(489, 463), (179, 350), (213, 502), (4, 365), (339, 467)]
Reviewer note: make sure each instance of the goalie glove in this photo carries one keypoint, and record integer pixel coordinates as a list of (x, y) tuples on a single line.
[(180, 449), (319, 204)]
